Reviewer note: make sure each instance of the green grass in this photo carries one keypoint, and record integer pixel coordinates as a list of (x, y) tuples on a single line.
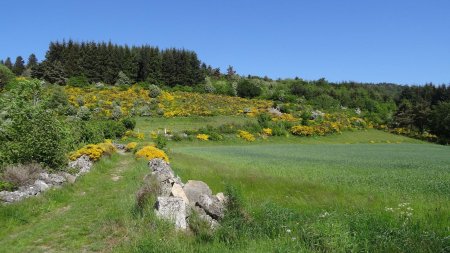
[(298, 197)]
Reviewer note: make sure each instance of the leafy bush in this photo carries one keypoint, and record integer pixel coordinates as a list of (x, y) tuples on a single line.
[(129, 123), (84, 113), (112, 129), (78, 81), (248, 89), (123, 79), (34, 135), (7, 186), (264, 119), (150, 152), (154, 91), (202, 137), (131, 146), (161, 141), (6, 75), (246, 135)]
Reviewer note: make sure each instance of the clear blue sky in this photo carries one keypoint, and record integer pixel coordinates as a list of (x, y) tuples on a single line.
[(402, 41)]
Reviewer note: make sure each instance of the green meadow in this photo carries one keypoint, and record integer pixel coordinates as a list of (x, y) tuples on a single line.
[(358, 191)]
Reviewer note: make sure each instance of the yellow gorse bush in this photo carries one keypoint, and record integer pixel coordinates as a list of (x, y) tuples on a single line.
[(94, 151), (267, 131), (203, 137), (246, 135), (150, 152), (131, 146)]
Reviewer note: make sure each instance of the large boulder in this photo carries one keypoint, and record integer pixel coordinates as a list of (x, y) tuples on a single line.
[(194, 189), (173, 209), (41, 185), (212, 206), (158, 164)]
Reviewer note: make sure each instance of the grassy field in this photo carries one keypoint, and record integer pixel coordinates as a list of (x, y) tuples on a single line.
[(297, 197)]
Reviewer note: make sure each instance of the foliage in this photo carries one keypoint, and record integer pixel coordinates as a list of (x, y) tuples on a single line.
[(78, 81), (150, 152), (267, 131), (246, 135), (19, 66), (161, 141), (202, 137), (123, 79), (5, 75), (21, 174), (154, 91), (248, 89), (94, 151), (129, 123), (131, 146)]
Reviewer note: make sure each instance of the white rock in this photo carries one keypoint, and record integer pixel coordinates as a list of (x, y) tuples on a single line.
[(173, 209), (177, 191), (41, 185), (194, 189)]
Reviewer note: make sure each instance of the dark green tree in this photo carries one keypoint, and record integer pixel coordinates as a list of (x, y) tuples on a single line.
[(32, 61), (8, 63), (19, 66)]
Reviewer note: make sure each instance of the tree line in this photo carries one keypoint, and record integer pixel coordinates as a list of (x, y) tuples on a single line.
[(102, 62)]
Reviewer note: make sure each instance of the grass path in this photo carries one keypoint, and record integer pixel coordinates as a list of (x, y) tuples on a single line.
[(90, 215)]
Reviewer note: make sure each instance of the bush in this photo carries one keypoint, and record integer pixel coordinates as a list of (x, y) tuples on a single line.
[(21, 175), (84, 113), (78, 81), (161, 141), (123, 79), (129, 123), (150, 152), (154, 91), (34, 135), (112, 129), (264, 119), (248, 89), (6, 75), (7, 186), (177, 137)]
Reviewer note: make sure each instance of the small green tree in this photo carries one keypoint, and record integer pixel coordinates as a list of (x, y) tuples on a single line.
[(248, 89), (5, 76), (123, 79)]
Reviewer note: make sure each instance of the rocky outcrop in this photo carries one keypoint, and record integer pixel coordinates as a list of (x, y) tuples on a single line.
[(176, 201), (46, 181)]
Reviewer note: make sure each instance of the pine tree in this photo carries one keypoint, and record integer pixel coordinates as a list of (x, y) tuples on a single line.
[(123, 79), (19, 66), (32, 61), (8, 63)]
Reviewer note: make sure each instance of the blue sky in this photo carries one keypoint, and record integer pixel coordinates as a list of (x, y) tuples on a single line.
[(406, 42)]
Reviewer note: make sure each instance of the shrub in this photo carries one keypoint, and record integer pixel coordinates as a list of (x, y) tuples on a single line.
[(94, 152), (267, 131), (303, 130), (131, 146), (150, 152), (147, 192), (279, 129), (161, 141), (117, 112), (84, 113), (264, 119), (6, 75), (177, 137), (78, 81), (20, 175), (246, 135), (154, 91), (123, 79), (108, 148), (202, 137), (215, 136), (112, 129), (7, 186), (248, 89), (34, 135), (129, 123)]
